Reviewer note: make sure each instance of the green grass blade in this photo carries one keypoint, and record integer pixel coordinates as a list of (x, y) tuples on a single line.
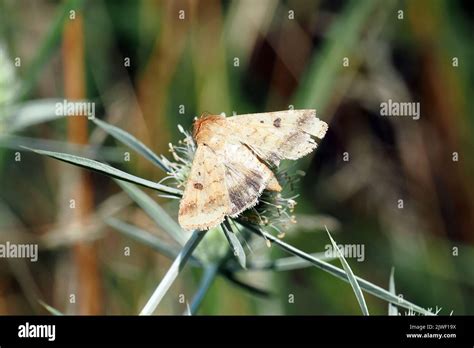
[(129, 140), (143, 237), (339, 273), (350, 277), (106, 153), (157, 244), (148, 239), (29, 113), (230, 276), (285, 263), (106, 170), (392, 310), (321, 78), (172, 273), (155, 212), (234, 243), (210, 273)]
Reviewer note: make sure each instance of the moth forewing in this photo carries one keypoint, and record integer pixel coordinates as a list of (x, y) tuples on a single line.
[(274, 136), (205, 200)]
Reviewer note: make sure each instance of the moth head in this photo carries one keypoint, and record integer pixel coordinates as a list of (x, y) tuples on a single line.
[(202, 127)]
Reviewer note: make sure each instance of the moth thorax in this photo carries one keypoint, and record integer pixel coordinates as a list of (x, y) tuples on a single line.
[(205, 128)]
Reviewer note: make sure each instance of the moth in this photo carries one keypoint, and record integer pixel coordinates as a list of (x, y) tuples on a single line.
[(231, 165)]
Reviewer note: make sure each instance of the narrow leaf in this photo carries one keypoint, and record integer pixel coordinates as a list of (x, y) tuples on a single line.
[(339, 273), (234, 242), (30, 113), (106, 153), (172, 273), (245, 286), (155, 212), (148, 239), (50, 309), (392, 310), (208, 277), (107, 170), (132, 142), (47, 48), (286, 263), (351, 277), (143, 237), (317, 88)]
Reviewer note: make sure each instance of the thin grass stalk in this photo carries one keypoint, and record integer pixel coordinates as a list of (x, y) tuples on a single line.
[(350, 276), (172, 273), (282, 264), (210, 273), (339, 273)]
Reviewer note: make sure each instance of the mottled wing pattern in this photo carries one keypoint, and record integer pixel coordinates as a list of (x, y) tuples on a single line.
[(205, 201), (229, 170), (278, 135), (245, 177)]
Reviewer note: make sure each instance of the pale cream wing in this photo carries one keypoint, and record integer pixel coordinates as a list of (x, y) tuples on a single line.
[(273, 184), (205, 201), (245, 177), (278, 135)]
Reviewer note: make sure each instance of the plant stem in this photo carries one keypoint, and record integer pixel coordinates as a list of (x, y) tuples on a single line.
[(85, 254), (210, 273), (365, 285), (350, 276), (282, 264), (173, 272)]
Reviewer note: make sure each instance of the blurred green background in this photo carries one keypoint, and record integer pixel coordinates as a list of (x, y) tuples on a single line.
[(151, 65)]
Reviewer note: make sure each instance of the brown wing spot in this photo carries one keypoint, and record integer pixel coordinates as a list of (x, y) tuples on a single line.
[(198, 186), (262, 121), (238, 200), (277, 122)]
